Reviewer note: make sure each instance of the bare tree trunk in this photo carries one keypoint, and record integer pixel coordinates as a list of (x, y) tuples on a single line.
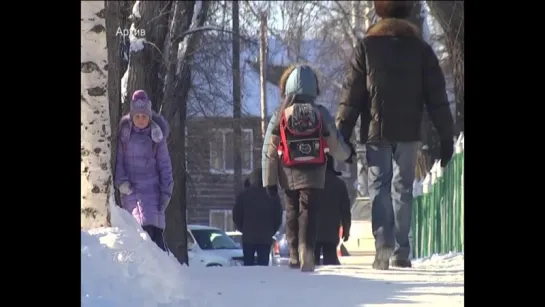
[(96, 174), (177, 85), (237, 129), (176, 229), (158, 34), (450, 15), (146, 34), (139, 53), (114, 20), (125, 23), (263, 71)]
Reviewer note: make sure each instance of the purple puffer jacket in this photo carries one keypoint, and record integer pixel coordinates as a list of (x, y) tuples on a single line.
[(147, 167)]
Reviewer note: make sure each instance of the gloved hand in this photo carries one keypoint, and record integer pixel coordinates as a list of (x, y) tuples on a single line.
[(165, 199), (352, 153), (447, 149), (272, 190), (346, 236), (125, 188)]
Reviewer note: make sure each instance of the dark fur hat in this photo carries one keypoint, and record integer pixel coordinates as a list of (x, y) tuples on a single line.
[(393, 9)]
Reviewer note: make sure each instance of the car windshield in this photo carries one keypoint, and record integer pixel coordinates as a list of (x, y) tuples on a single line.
[(237, 238), (213, 239)]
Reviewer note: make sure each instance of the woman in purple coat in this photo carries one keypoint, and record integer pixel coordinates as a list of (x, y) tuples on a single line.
[(143, 170)]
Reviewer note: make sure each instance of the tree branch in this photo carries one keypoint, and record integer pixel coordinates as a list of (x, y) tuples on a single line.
[(180, 38)]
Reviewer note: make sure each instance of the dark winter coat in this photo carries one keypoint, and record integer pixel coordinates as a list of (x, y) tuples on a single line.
[(393, 76), (302, 83), (334, 209), (256, 215)]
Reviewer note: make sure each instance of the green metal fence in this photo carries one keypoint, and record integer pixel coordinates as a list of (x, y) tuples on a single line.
[(438, 208)]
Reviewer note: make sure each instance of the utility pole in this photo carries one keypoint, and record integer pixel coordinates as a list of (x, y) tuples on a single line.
[(237, 129), (263, 71)]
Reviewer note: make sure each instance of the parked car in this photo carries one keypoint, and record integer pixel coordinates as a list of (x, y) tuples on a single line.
[(236, 236), (211, 247)]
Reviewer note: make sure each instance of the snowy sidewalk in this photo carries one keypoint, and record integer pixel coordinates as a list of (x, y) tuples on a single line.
[(436, 282)]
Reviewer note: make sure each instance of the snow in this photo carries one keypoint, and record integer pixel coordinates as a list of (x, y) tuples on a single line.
[(137, 43), (125, 84), (136, 10), (196, 11), (121, 267), (429, 283)]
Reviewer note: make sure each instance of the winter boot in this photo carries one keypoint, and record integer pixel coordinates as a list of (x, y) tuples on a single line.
[(382, 258), (401, 263), (294, 259), (306, 257)]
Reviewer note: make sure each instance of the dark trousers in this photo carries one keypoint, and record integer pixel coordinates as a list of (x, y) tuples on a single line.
[(301, 219), (262, 250), (329, 250), (156, 235)]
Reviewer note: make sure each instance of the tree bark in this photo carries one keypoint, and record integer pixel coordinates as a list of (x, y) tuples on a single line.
[(125, 23), (114, 20), (263, 71), (158, 34), (142, 43), (96, 175), (176, 92), (237, 130)]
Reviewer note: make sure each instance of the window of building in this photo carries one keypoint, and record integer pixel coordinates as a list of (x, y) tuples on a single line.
[(222, 219), (222, 158)]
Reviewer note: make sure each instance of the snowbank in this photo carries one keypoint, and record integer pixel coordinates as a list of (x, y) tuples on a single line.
[(450, 261), (121, 266)]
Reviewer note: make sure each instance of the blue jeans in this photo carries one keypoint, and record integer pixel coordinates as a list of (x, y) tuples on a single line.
[(391, 171)]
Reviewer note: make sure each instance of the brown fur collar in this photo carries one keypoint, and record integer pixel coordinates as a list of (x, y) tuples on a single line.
[(393, 27)]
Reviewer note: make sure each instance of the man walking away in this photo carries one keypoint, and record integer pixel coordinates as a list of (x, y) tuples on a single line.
[(393, 76), (257, 216), (334, 212)]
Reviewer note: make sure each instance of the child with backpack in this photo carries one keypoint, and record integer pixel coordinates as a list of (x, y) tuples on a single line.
[(298, 137), (143, 172)]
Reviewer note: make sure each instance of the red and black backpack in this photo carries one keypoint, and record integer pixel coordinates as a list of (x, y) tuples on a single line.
[(301, 139)]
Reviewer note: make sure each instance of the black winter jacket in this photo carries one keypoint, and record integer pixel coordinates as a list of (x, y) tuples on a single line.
[(334, 210), (256, 215), (394, 75)]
